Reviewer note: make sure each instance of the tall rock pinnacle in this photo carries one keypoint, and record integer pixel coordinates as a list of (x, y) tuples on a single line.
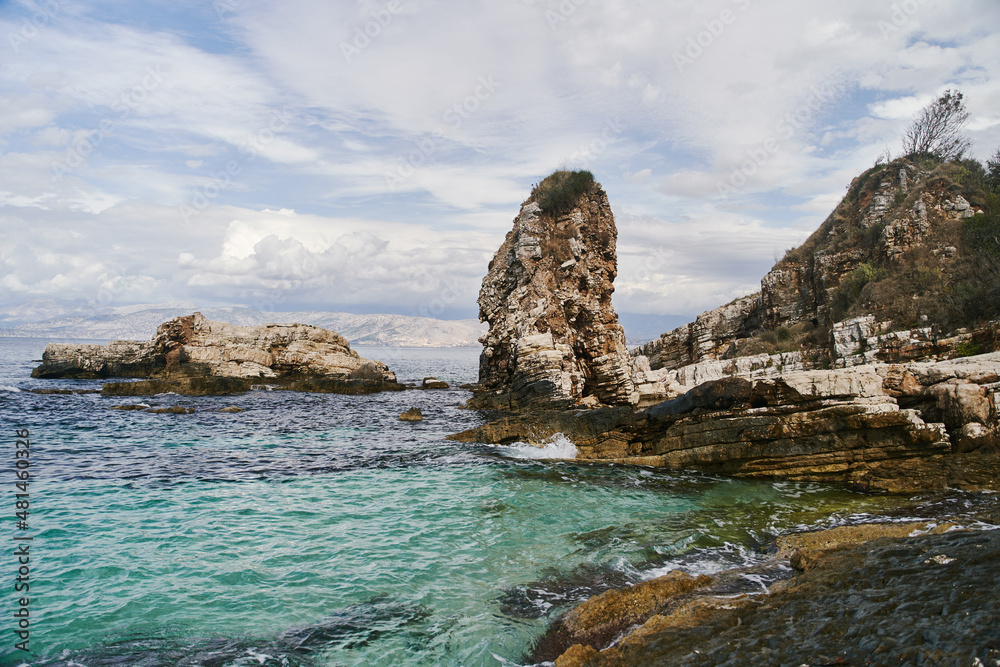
[(554, 339)]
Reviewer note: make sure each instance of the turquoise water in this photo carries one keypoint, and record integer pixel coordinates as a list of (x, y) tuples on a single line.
[(321, 530)]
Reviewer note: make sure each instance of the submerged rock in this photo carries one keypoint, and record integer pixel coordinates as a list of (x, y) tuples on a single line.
[(174, 410), (605, 617), (412, 415), (195, 356), (554, 338)]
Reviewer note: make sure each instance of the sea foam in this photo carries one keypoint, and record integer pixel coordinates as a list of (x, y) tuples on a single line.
[(558, 447)]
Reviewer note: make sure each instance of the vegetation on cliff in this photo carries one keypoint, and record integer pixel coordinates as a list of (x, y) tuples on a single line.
[(918, 237), (559, 191)]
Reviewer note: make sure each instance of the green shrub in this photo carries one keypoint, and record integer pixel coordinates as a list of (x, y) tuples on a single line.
[(981, 233), (558, 192), (851, 287), (969, 349)]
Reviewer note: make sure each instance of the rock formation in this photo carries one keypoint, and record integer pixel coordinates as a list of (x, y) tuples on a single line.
[(862, 400), (887, 427), (909, 593), (193, 355), (554, 338), (897, 219)]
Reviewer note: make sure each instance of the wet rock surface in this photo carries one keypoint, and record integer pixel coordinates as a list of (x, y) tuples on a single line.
[(554, 338), (198, 357), (923, 600)]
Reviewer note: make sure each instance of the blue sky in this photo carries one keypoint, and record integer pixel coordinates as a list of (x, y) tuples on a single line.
[(371, 156)]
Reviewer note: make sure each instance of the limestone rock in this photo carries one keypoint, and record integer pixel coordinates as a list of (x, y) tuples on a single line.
[(892, 216), (554, 338), (193, 355)]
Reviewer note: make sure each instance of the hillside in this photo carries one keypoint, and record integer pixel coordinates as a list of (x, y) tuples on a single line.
[(914, 246)]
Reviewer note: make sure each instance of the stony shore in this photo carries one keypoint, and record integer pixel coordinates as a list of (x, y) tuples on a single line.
[(895, 593)]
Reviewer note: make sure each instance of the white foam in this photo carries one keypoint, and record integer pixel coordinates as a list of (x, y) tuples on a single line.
[(7, 387), (558, 447)]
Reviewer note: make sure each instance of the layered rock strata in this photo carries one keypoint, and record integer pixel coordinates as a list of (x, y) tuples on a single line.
[(554, 338), (193, 355), (891, 427)]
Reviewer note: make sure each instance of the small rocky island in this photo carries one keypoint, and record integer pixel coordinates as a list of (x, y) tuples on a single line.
[(195, 356)]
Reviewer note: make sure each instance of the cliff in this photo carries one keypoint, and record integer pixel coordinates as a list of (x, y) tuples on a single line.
[(899, 250), (194, 355), (848, 365), (554, 339)]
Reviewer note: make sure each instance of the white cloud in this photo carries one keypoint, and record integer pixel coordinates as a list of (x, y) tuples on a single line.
[(467, 104)]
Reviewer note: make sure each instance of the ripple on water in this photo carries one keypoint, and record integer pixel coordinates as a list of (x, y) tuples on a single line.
[(320, 530)]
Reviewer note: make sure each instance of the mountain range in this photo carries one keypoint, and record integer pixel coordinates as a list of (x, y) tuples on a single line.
[(51, 318)]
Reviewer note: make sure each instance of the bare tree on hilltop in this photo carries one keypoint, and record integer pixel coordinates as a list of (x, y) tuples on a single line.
[(937, 129)]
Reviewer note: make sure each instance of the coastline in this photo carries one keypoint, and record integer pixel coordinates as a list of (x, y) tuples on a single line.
[(919, 592)]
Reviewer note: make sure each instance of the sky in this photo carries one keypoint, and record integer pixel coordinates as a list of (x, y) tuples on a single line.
[(370, 156)]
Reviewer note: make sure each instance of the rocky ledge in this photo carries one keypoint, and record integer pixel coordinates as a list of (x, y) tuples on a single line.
[(888, 427), (195, 356), (915, 593)]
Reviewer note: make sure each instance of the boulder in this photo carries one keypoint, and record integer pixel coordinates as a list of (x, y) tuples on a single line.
[(433, 383)]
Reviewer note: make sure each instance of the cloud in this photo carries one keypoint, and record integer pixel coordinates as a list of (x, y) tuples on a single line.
[(403, 135)]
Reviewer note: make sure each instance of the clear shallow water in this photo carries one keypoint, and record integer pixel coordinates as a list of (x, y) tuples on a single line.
[(321, 530)]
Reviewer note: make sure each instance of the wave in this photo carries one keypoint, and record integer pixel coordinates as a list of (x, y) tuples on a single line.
[(558, 447), (7, 387)]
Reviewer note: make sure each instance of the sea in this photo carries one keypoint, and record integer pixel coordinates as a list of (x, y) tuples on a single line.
[(320, 530)]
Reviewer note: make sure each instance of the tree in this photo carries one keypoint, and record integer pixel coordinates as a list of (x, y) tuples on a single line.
[(993, 172), (937, 129)]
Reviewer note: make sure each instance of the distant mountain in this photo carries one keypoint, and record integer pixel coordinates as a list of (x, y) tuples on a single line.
[(140, 322)]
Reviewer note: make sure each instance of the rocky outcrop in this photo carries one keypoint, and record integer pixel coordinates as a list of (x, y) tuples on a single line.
[(412, 415), (896, 218), (876, 594), (890, 427), (195, 356), (597, 622), (554, 338)]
